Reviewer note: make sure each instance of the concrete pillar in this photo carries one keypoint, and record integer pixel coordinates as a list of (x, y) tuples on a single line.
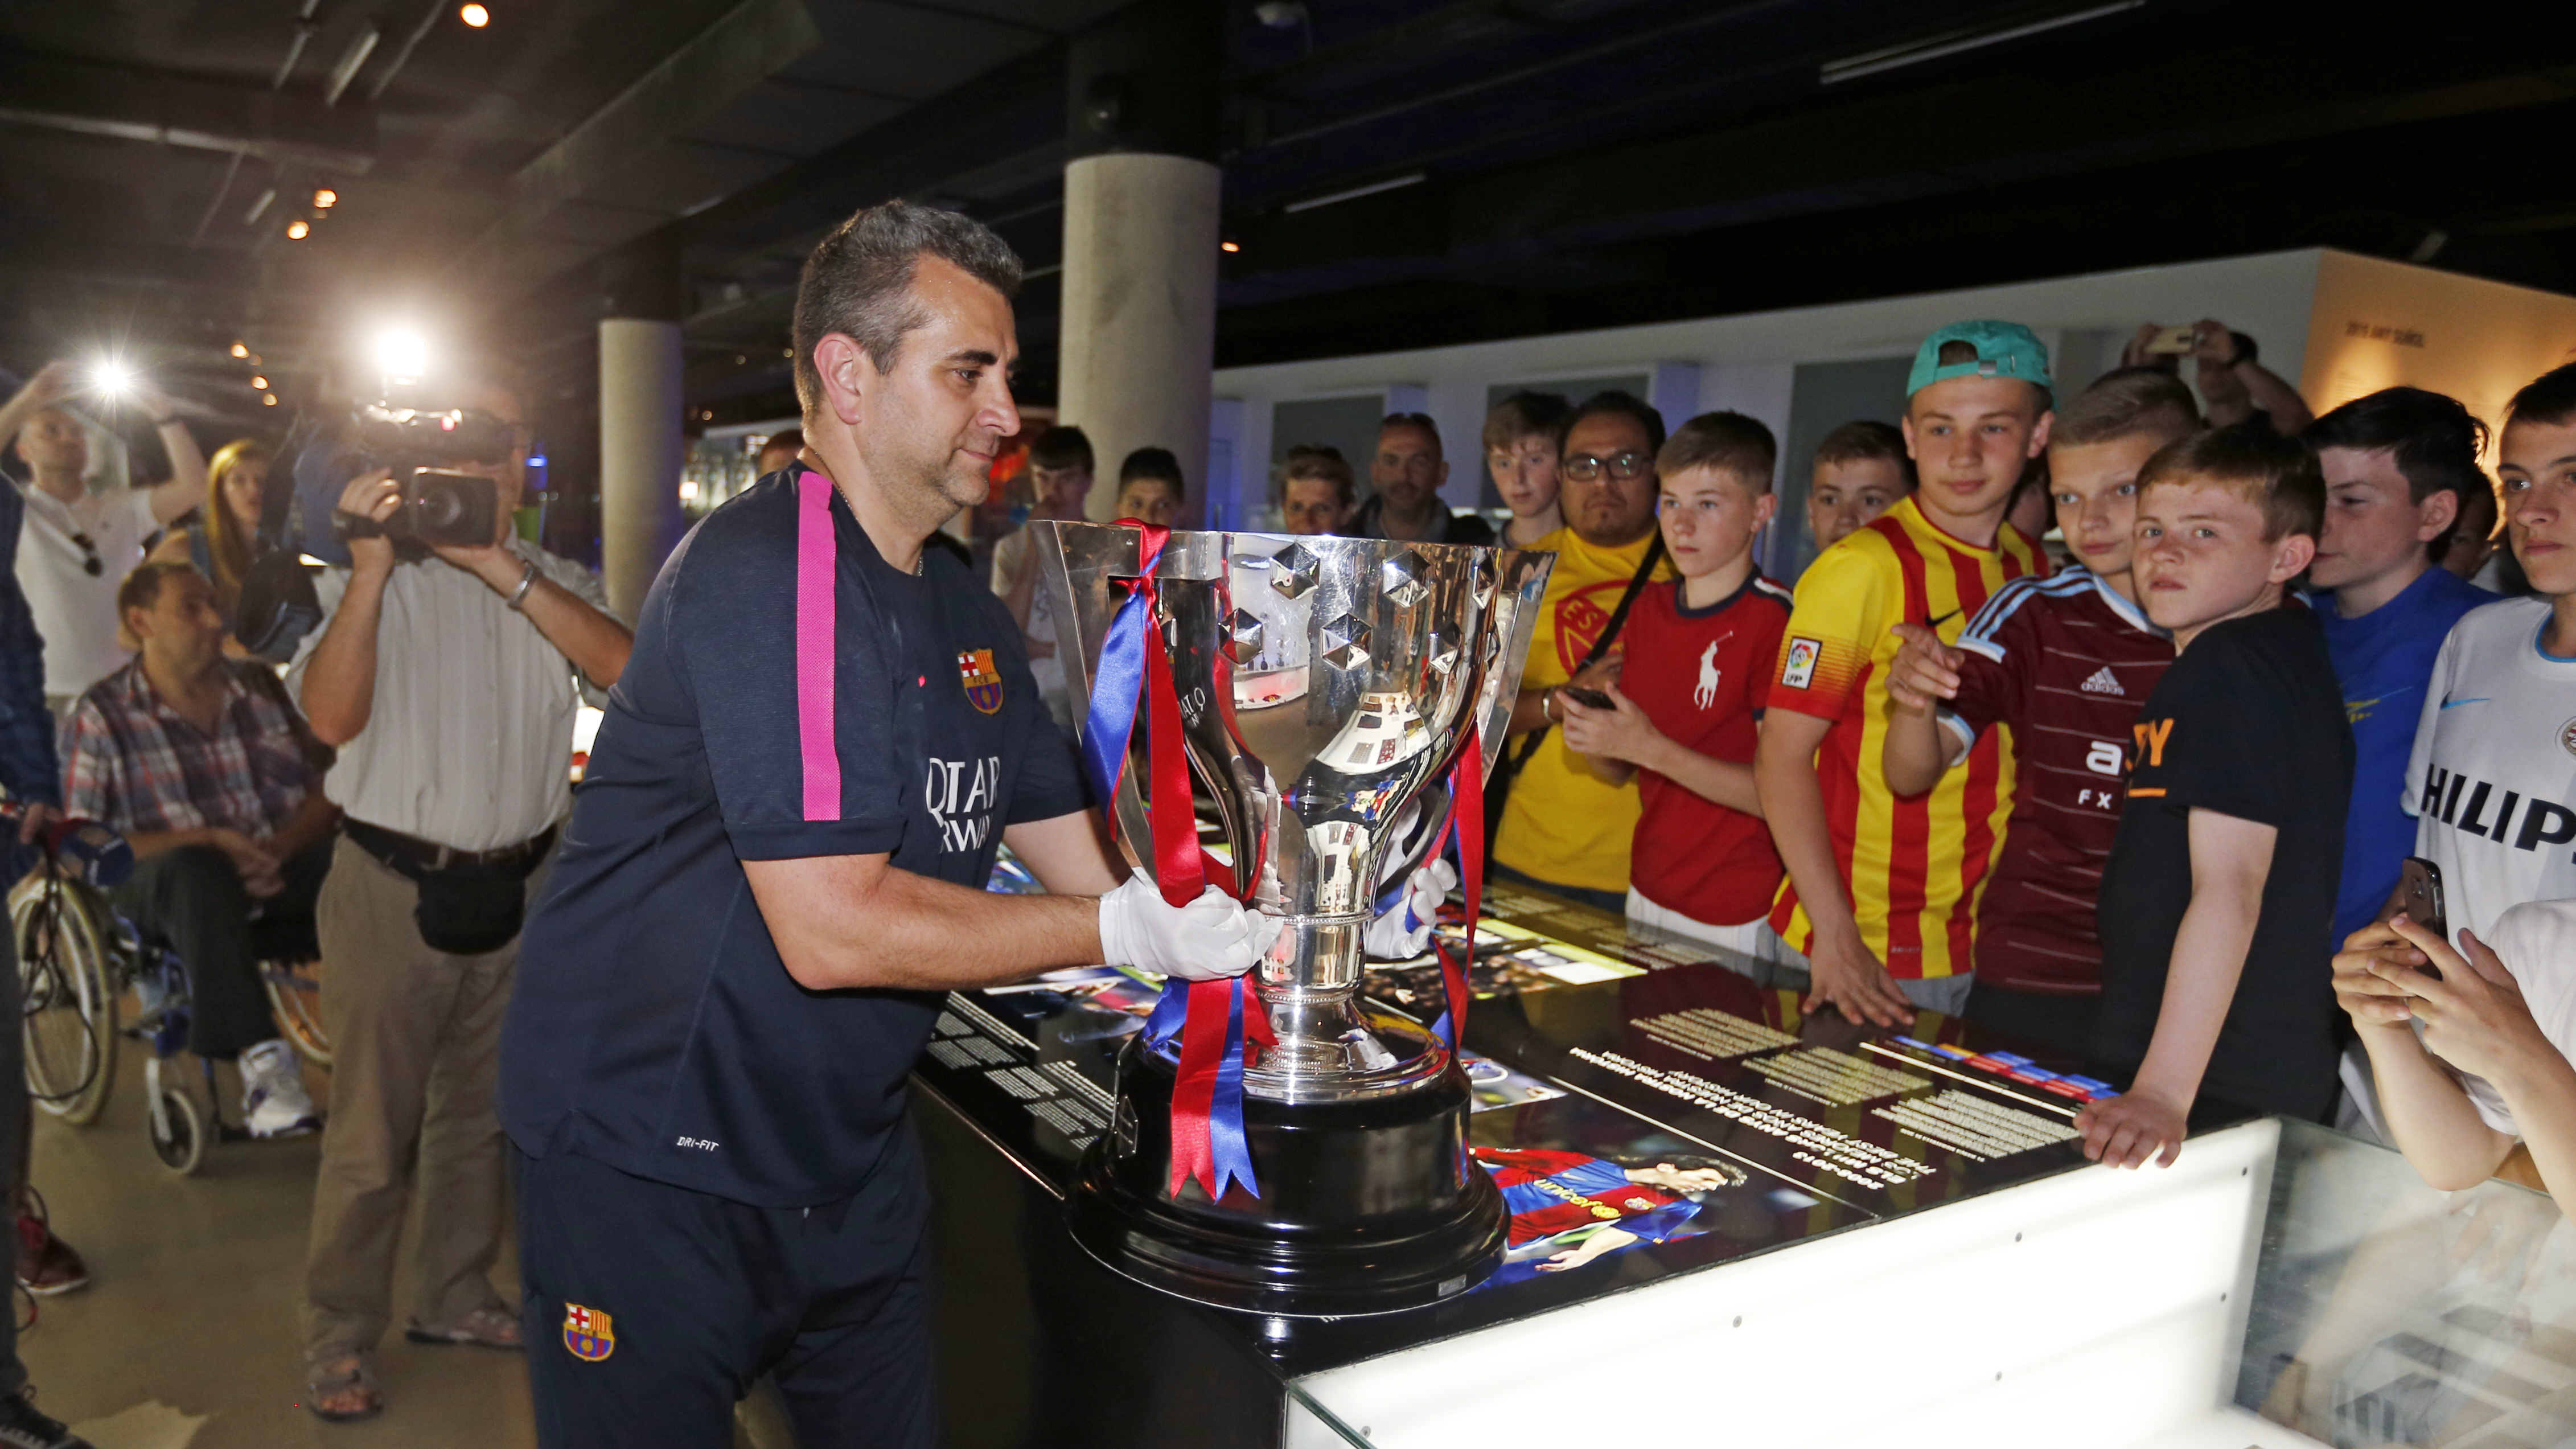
[(639, 454), (640, 416), (1141, 215), (1139, 340)]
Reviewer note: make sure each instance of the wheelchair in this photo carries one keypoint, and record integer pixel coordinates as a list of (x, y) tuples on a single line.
[(79, 958)]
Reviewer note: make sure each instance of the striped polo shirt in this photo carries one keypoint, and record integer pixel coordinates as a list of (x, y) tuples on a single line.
[(1913, 865)]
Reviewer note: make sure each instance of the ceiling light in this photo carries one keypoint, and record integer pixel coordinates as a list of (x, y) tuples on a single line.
[(241, 350), (298, 230), (269, 401), (325, 199), (474, 15), (1229, 246), (259, 384), (1354, 193), (1953, 42)]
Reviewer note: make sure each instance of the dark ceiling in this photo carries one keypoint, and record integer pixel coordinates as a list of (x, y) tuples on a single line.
[(1562, 163)]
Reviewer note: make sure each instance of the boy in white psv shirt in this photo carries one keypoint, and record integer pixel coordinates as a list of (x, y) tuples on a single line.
[(2467, 1060)]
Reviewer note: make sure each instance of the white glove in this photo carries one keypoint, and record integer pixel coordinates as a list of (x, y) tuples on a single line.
[(1404, 932), (1209, 939)]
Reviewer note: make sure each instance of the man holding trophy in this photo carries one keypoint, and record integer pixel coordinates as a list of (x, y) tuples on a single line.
[(773, 867)]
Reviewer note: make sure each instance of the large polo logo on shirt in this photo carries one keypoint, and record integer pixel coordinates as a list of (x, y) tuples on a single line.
[(959, 795), (983, 682)]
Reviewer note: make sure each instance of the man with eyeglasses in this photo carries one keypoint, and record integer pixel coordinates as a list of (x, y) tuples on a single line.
[(448, 678), (1407, 471), (76, 546), (1563, 828)]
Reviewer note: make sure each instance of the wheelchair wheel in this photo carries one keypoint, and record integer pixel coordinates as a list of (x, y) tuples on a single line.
[(295, 994), (178, 1132), (68, 1003)]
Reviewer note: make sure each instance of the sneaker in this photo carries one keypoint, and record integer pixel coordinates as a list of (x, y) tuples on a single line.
[(274, 1102), (21, 1427), (46, 1264)]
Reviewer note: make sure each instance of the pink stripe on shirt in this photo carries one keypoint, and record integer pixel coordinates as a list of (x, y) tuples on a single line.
[(817, 559)]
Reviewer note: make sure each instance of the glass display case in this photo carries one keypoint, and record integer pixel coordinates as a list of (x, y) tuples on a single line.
[(1735, 1222)]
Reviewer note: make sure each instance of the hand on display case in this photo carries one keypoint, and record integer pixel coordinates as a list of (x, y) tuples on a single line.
[(1848, 978), (2127, 1130)]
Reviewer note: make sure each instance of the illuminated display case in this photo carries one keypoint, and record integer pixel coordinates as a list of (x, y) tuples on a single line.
[(1733, 1223)]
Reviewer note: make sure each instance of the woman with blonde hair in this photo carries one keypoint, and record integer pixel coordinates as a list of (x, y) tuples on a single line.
[(224, 540)]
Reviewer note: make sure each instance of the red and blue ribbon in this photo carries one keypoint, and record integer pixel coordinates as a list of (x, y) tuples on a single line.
[(1467, 835), (1208, 1140)]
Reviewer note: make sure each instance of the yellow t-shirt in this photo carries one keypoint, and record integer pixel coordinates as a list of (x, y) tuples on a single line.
[(1914, 865), (1562, 823)]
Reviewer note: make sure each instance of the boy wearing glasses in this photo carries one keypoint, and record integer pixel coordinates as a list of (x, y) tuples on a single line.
[(1564, 828), (1684, 725), (76, 547), (1881, 887)]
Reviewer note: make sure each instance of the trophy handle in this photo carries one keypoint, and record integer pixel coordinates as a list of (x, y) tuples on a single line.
[(1520, 589)]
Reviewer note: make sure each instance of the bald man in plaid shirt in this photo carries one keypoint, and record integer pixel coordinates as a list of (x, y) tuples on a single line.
[(207, 771)]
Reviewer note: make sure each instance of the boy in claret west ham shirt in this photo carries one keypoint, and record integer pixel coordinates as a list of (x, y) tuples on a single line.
[(2061, 665), (1684, 713), (2218, 903), (1880, 888)]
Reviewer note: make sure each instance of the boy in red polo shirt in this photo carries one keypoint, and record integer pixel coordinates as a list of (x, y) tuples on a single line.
[(1685, 712)]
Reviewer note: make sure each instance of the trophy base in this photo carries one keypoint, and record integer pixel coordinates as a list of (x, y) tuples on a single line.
[(1369, 1206)]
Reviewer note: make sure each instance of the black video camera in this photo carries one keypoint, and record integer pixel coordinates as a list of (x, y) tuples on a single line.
[(439, 504)]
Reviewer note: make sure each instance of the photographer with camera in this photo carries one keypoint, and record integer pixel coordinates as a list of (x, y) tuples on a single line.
[(446, 672)]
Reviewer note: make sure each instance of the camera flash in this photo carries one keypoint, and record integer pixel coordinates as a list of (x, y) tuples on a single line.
[(402, 353), (111, 378)]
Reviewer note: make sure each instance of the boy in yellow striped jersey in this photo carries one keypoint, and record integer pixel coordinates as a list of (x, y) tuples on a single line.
[(1881, 893)]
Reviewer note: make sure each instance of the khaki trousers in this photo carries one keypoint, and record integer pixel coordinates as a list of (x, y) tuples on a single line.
[(415, 1047)]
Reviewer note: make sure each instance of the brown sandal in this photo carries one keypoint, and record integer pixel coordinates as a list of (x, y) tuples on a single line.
[(352, 1374)]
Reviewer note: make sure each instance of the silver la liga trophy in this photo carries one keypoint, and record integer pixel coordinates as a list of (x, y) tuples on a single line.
[(1323, 684)]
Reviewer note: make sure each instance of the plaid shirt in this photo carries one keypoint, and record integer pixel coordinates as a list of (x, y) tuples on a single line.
[(131, 762)]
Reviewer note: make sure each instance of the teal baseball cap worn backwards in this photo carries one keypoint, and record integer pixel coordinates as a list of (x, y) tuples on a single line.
[(2003, 349)]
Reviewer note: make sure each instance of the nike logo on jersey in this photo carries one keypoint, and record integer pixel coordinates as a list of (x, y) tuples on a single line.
[(2103, 682), (2456, 703), (2471, 805)]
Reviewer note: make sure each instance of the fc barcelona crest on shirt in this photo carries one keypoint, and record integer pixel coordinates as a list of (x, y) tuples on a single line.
[(983, 682), (587, 1333)]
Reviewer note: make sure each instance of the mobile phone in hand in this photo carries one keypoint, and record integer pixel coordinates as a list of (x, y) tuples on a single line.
[(2419, 895), (1588, 698), (2174, 341)]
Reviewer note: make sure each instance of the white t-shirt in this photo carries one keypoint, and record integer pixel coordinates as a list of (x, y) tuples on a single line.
[(2493, 780), (75, 609), (2536, 941)]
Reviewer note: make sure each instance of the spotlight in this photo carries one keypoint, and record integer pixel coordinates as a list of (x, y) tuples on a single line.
[(474, 15), (1229, 246), (402, 353), (259, 384), (239, 350), (268, 401), (298, 230), (325, 199)]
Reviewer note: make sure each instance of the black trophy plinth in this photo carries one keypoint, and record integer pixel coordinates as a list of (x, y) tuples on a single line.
[(1368, 1206)]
